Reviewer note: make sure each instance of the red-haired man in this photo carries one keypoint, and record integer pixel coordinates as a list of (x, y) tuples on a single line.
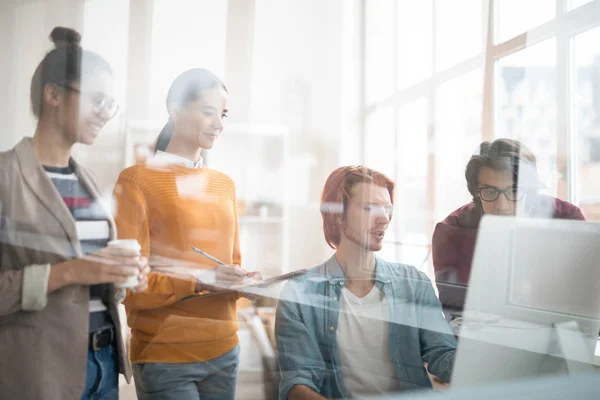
[(356, 324)]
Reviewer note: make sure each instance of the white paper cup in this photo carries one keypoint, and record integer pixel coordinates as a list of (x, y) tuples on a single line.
[(131, 244)]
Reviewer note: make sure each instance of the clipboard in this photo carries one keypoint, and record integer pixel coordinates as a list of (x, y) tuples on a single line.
[(271, 281), (259, 284)]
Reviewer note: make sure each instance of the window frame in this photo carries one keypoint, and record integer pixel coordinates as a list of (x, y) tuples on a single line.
[(564, 27)]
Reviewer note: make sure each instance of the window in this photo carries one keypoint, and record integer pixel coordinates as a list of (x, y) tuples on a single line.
[(458, 122), (578, 3), (414, 35), (526, 104), (438, 47), (459, 31), (380, 42), (440, 59), (412, 183), (586, 120), (545, 97), (380, 143), (514, 17), (112, 44), (178, 26)]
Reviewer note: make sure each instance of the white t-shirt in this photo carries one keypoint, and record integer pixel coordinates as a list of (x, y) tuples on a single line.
[(363, 339)]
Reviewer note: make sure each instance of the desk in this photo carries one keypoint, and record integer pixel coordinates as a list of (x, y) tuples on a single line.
[(580, 387)]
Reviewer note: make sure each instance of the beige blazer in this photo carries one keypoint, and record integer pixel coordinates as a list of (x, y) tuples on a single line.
[(43, 339)]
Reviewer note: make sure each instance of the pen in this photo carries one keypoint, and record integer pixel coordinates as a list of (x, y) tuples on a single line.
[(208, 256)]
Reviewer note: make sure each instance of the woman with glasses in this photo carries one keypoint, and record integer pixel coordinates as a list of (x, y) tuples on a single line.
[(60, 336), (503, 180)]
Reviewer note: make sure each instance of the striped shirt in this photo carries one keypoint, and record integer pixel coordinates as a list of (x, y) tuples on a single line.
[(91, 222)]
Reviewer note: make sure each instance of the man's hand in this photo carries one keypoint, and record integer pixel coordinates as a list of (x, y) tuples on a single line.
[(302, 392), (437, 384)]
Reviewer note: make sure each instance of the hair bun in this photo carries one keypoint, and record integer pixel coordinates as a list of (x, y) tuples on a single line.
[(62, 36)]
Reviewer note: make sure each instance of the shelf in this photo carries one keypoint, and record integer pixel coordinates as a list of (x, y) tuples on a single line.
[(265, 239), (251, 219)]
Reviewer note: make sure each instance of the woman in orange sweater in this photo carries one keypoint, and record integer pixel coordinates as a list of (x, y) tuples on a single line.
[(184, 349)]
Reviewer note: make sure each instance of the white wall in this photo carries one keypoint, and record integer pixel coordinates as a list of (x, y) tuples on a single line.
[(24, 29)]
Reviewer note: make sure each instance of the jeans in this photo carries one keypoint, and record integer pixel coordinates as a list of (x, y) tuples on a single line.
[(102, 376), (209, 380)]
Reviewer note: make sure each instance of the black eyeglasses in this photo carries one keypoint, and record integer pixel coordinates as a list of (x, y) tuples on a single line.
[(491, 193), (99, 102)]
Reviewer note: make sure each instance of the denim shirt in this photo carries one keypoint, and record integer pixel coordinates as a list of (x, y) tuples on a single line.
[(307, 322)]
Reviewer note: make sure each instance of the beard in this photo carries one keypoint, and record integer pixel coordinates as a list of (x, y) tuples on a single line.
[(360, 239)]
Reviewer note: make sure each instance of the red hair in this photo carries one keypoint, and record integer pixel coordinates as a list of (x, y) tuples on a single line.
[(338, 191)]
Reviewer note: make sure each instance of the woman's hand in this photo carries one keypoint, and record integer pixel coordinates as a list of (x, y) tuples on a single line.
[(142, 277), (254, 276), (109, 265), (225, 276), (228, 276), (250, 277)]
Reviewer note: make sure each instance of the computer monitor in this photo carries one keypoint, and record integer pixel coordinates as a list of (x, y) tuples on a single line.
[(533, 307)]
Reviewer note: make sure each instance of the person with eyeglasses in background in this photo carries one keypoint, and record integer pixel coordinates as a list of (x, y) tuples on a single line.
[(60, 335), (503, 180)]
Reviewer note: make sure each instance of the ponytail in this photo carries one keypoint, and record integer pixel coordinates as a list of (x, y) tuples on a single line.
[(163, 139)]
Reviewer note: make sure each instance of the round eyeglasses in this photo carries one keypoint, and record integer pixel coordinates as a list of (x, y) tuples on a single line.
[(100, 103)]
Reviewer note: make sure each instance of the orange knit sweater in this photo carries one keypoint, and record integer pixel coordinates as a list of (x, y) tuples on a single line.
[(169, 210)]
